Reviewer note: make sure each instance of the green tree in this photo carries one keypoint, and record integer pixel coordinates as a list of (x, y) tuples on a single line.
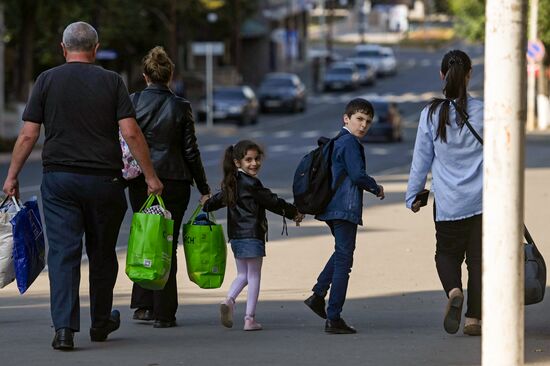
[(470, 18)]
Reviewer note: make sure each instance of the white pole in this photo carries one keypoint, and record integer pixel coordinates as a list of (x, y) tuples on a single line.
[(323, 39), (209, 87), (2, 71), (503, 322), (531, 80)]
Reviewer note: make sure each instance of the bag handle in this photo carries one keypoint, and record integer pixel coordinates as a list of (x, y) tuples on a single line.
[(150, 200), (465, 115), (17, 204), (211, 216)]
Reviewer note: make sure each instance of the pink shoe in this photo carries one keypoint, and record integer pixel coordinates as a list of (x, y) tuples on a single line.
[(226, 313), (250, 323)]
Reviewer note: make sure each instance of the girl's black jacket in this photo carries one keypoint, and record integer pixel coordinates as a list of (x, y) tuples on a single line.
[(246, 220)]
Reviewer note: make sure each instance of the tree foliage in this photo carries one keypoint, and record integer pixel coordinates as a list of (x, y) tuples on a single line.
[(470, 15), (130, 27)]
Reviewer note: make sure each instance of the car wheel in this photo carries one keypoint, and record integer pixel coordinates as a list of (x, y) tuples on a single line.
[(303, 107)]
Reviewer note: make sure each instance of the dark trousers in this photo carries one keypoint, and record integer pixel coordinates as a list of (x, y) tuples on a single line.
[(76, 205), (456, 239), (175, 195), (335, 275)]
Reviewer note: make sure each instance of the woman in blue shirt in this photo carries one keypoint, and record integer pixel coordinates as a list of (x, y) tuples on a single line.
[(446, 147)]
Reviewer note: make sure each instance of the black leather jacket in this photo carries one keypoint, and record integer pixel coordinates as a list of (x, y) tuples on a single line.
[(167, 123), (247, 219)]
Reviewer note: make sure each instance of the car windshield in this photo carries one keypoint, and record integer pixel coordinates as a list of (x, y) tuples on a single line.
[(233, 94), (340, 71), (371, 54), (278, 82)]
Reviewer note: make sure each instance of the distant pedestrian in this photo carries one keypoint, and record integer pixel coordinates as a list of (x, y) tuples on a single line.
[(82, 107), (446, 147), (246, 200), (167, 123), (344, 213)]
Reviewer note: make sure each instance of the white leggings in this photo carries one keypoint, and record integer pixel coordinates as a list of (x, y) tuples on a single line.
[(249, 272)]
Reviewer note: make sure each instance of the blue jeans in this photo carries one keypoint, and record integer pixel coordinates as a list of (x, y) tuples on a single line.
[(335, 275), (76, 205)]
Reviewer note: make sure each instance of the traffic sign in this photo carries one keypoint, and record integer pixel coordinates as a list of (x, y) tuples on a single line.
[(201, 48), (535, 50)]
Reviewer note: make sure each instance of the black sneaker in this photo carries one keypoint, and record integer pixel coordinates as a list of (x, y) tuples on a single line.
[(100, 334), (317, 304), (63, 339), (143, 314), (164, 324), (338, 327)]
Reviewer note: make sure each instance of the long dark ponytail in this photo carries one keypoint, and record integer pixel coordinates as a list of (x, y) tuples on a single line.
[(455, 67), (229, 181)]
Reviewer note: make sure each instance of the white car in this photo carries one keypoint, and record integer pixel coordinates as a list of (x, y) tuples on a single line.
[(382, 58)]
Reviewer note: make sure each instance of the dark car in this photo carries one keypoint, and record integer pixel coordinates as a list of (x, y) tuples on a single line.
[(282, 91), (341, 75), (386, 124), (232, 103), (367, 73)]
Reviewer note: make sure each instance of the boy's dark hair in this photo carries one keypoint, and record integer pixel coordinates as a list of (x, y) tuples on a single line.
[(359, 105), (455, 66), (229, 182)]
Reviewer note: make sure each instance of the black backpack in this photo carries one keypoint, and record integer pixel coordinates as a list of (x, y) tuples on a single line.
[(312, 185)]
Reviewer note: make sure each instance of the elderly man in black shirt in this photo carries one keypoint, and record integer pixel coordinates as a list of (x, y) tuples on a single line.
[(82, 107)]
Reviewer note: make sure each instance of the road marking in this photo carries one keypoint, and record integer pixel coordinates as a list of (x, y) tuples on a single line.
[(210, 148), (282, 134), (310, 134), (378, 151)]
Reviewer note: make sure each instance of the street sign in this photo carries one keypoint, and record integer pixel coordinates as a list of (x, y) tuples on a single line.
[(201, 48), (535, 50)]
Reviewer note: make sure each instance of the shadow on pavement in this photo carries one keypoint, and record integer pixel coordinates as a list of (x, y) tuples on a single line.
[(399, 329)]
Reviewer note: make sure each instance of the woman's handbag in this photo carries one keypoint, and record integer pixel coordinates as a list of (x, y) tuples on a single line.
[(149, 255), (205, 250), (535, 272), (535, 267)]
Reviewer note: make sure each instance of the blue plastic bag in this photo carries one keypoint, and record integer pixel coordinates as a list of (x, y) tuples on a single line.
[(28, 245)]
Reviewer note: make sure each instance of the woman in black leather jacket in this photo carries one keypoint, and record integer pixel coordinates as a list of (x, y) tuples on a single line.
[(246, 200), (168, 126)]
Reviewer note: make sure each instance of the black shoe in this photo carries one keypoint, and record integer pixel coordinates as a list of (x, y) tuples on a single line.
[(100, 334), (63, 339), (143, 314), (317, 304), (338, 327), (164, 324)]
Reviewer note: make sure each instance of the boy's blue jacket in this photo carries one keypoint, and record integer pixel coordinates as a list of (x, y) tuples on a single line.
[(348, 158)]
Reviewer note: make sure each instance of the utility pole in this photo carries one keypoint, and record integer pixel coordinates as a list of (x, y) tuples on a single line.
[(533, 20), (322, 36), (2, 71), (503, 185)]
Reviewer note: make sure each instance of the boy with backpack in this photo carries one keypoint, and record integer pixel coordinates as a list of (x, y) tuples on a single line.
[(346, 158)]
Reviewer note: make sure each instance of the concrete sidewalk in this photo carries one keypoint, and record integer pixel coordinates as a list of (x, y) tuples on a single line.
[(394, 299)]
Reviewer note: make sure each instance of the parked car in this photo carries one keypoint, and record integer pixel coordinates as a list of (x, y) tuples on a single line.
[(380, 57), (234, 103), (367, 73), (341, 75), (282, 91), (386, 123)]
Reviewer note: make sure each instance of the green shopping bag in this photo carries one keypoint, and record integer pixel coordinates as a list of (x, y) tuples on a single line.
[(149, 255), (205, 250)]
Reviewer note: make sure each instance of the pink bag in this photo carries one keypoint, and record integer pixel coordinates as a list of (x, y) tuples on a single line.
[(131, 167)]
